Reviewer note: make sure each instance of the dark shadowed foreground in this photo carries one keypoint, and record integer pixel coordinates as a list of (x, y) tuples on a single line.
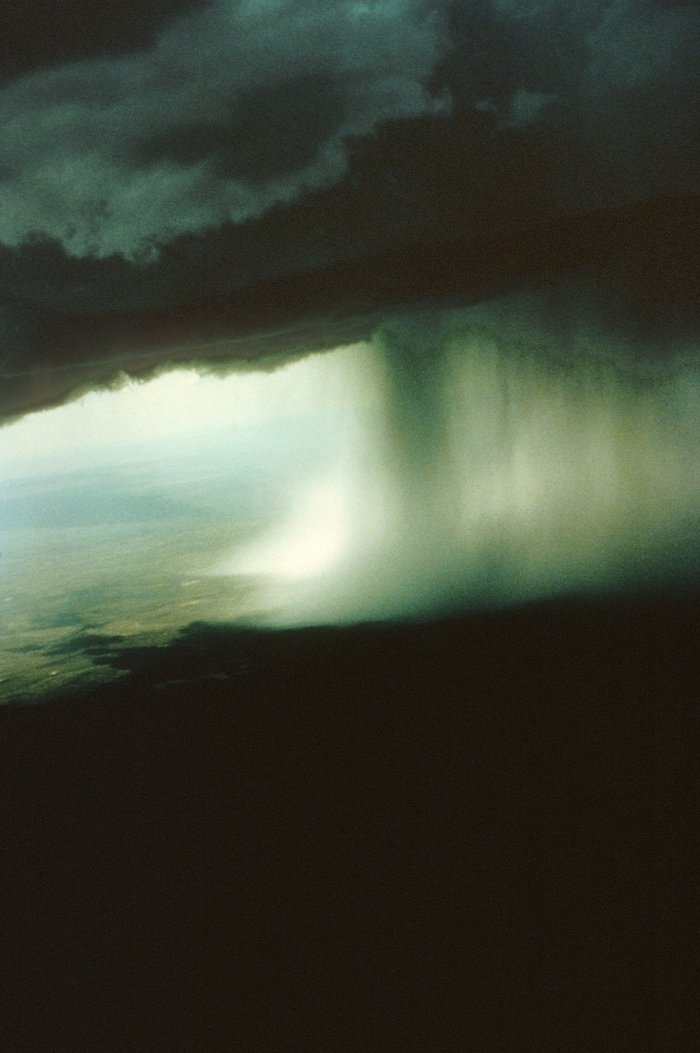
[(469, 835)]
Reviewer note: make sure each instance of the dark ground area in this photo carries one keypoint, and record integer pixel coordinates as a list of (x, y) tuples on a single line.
[(477, 834)]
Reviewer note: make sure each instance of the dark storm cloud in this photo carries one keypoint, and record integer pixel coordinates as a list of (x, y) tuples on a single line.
[(151, 178), (235, 107), (609, 88), (262, 136), (627, 280), (41, 33)]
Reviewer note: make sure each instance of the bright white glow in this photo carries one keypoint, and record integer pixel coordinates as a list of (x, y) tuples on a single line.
[(445, 464), (308, 543), (181, 405), (483, 473)]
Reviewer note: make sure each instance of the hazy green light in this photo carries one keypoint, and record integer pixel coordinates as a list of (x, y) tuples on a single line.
[(443, 465)]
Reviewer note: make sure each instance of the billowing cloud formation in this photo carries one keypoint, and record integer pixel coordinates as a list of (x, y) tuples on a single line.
[(219, 170), (637, 41), (625, 280), (230, 109), (234, 108)]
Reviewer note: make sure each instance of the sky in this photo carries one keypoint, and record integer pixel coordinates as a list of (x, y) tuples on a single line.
[(163, 160)]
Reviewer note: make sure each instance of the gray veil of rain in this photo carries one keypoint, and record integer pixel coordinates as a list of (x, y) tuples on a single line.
[(482, 463), (458, 460)]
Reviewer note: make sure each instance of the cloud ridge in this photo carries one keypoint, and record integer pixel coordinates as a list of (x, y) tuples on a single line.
[(235, 108)]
